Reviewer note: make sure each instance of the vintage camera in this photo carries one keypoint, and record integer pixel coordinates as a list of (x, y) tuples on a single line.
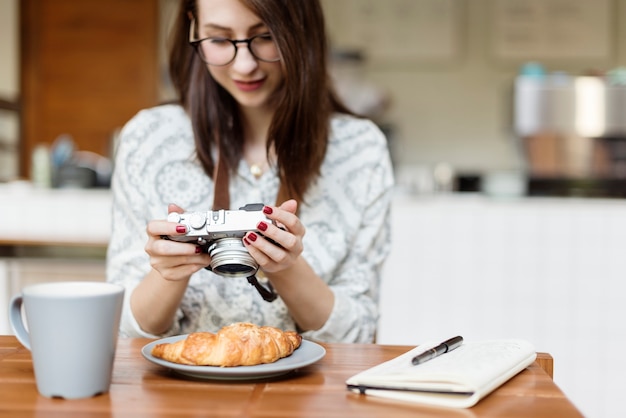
[(219, 233)]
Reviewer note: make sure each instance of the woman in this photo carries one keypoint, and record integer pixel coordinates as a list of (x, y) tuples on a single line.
[(257, 121)]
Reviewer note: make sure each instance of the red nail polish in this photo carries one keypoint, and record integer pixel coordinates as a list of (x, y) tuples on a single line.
[(181, 228), (262, 226), (252, 236), (267, 210), (246, 241), (198, 250)]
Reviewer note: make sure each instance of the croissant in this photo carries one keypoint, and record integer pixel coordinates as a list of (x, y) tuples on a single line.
[(239, 344)]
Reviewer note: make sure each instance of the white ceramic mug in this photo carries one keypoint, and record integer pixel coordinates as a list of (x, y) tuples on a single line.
[(71, 330)]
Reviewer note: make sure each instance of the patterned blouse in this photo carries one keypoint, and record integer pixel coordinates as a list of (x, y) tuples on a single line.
[(346, 216)]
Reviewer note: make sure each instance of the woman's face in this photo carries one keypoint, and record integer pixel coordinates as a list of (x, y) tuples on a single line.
[(252, 82)]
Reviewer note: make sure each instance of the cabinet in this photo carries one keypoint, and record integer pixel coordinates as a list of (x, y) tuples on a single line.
[(549, 270), (86, 68)]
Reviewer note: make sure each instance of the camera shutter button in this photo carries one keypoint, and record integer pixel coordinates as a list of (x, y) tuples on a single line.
[(197, 220)]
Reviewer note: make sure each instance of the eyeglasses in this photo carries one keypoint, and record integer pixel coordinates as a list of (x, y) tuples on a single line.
[(222, 51)]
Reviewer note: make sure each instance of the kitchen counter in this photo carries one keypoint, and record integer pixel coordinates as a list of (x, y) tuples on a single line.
[(74, 217)]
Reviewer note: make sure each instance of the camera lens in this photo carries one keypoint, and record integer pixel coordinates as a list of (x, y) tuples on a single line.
[(230, 258)]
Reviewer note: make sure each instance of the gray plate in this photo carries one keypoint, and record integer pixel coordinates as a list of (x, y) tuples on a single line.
[(308, 353)]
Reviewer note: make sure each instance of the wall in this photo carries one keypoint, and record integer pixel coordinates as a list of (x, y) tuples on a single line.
[(9, 88), (9, 70), (459, 112)]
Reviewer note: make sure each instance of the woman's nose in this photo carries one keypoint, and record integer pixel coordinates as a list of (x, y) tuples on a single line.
[(244, 62)]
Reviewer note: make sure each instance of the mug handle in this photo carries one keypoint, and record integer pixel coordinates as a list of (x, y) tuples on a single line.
[(17, 321)]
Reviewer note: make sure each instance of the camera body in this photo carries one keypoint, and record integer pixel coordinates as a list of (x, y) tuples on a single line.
[(219, 233)]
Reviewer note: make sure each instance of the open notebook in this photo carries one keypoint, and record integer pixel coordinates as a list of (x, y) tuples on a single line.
[(459, 378)]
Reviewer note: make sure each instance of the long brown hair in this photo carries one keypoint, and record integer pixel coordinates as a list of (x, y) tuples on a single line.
[(300, 127)]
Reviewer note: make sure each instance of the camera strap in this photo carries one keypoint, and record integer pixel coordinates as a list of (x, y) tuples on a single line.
[(221, 195), (221, 179), (267, 292), (221, 200)]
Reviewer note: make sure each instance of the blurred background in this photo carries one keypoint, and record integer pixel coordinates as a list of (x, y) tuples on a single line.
[(506, 120)]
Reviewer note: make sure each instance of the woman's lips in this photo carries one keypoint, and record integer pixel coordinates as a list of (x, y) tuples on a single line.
[(249, 85)]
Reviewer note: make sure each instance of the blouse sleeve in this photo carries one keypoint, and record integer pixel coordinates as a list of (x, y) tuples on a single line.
[(363, 200), (127, 261)]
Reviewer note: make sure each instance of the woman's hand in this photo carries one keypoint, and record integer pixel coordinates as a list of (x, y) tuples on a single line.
[(309, 299), (173, 260), (287, 231)]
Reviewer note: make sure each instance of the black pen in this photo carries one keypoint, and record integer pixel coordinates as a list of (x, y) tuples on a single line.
[(444, 347)]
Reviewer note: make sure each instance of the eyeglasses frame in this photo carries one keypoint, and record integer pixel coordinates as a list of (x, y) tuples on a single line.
[(196, 44)]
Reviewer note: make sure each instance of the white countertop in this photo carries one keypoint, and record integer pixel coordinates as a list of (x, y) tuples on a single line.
[(30, 215), (33, 216)]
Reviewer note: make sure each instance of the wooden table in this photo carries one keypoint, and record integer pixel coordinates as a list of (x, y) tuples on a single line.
[(143, 389)]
